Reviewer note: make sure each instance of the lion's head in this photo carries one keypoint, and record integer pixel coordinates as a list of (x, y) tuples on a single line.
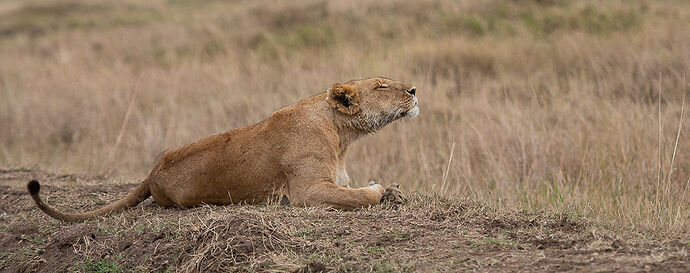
[(374, 102)]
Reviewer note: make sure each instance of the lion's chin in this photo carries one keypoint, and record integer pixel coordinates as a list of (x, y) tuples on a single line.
[(414, 112)]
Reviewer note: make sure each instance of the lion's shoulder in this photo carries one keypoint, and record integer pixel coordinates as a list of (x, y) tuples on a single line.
[(311, 112)]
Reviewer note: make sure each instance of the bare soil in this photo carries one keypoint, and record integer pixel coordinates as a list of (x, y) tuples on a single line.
[(430, 233)]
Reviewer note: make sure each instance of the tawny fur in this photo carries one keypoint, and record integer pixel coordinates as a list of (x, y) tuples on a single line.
[(298, 151)]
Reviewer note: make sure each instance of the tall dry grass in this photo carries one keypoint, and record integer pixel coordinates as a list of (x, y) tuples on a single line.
[(559, 105)]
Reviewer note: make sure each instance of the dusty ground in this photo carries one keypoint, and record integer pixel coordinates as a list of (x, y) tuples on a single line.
[(430, 233)]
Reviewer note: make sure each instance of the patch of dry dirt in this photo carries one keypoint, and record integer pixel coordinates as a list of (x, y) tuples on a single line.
[(430, 233)]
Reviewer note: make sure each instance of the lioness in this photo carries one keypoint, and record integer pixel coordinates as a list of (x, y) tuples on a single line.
[(299, 152)]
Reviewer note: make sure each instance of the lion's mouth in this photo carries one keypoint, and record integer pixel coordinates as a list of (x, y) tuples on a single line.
[(412, 112)]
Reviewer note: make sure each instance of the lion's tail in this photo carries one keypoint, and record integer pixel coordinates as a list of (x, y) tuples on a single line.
[(137, 196)]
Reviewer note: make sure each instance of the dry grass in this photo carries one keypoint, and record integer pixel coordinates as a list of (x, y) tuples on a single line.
[(540, 104), (431, 233)]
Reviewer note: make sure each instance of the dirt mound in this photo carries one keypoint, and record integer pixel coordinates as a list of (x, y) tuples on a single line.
[(430, 233), (228, 241)]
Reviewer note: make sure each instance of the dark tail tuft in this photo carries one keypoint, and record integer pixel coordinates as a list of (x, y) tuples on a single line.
[(34, 187)]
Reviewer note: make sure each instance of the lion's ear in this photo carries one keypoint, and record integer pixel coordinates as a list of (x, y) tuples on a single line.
[(344, 98)]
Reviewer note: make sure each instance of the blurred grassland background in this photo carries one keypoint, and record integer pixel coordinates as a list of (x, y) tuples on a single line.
[(524, 104)]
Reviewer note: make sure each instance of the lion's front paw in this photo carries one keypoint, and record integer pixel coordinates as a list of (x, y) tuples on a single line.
[(393, 195)]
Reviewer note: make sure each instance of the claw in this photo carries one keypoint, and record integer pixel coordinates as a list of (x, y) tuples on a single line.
[(394, 195)]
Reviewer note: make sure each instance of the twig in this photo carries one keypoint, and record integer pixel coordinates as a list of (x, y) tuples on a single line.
[(123, 126), (450, 159), (658, 174), (680, 127)]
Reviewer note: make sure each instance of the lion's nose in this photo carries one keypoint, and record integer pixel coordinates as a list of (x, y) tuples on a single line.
[(412, 91)]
